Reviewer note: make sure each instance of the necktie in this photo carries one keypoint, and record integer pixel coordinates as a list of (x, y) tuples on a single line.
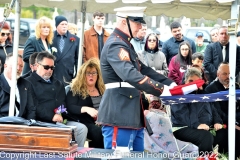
[(61, 44), (224, 53)]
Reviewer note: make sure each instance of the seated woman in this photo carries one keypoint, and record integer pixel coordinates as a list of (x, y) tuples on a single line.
[(84, 97), (162, 139), (151, 56), (192, 121), (180, 63)]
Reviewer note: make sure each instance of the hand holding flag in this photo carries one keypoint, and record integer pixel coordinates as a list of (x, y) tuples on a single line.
[(182, 89)]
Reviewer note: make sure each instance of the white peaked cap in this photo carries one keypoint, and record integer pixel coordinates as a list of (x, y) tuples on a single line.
[(130, 11)]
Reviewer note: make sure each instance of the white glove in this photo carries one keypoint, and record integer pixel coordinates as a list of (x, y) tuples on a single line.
[(172, 85), (166, 91)]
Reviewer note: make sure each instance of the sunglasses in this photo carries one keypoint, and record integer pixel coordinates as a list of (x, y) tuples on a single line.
[(47, 67), (152, 40), (5, 34)]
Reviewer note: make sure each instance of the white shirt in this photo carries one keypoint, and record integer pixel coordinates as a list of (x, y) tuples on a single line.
[(16, 93)]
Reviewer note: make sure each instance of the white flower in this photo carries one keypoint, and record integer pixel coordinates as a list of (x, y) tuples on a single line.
[(54, 50)]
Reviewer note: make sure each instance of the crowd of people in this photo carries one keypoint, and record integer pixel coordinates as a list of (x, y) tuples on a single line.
[(104, 98)]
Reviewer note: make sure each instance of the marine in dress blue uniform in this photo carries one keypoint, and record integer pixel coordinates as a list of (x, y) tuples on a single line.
[(125, 77)]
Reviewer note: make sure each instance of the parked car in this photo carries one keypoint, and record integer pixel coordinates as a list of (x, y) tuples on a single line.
[(27, 28), (191, 33)]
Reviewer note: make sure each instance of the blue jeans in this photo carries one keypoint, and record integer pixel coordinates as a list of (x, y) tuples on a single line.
[(123, 137)]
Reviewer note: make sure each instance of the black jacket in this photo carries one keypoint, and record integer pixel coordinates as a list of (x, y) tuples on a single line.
[(213, 57), (27, 108), (194, 114), (32, 45), (9, 49), (75, 104), (68, 59), (222, 106), (49, 96)]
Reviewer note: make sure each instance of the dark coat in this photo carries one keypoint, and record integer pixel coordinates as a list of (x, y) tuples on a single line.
[(121, 106), (27, 108), (222, 106), (67, 60), (194, 114), (49, 96), (213, 57), (9, 49), (75, 104), (32, 45)]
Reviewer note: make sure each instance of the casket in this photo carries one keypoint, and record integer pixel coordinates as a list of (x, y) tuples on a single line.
[(22, 138)]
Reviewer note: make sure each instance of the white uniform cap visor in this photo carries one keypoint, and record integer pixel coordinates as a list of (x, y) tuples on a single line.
[(133, 13)]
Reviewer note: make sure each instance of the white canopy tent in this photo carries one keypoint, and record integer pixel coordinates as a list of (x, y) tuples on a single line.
[(209, 9)]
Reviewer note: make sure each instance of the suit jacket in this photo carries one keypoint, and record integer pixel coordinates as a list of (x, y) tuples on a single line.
[(90, 46), (213, 57), (222, 106), (68, 59), (32, 45), (27, 108), (49, 96)]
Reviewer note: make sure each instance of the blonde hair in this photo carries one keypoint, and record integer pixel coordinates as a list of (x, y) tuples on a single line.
[(73, 27), (41, 22), (79, 85)]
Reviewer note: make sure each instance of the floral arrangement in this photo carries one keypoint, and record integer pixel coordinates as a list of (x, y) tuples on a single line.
[(54, 50), (61, 110), (213, 131), (72, 39)]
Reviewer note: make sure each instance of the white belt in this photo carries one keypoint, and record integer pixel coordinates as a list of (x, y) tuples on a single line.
[(117, 85)]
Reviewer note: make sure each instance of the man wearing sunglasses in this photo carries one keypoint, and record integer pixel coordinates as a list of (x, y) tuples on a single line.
[(50, 94)]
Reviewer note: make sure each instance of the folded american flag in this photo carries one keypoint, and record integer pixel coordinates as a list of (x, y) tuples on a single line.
[(193, 98)]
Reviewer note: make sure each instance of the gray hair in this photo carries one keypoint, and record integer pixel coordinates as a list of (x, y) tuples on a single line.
[(192, 72)]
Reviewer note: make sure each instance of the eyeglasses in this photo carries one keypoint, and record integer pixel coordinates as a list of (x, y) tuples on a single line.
[(47, 67), (152, 40), (184, 49), (91, 73), (4, 34)]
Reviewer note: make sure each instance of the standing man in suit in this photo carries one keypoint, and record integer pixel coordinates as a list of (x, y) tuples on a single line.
[(95, 37), (66, 46), (24, 101), (213, 54)]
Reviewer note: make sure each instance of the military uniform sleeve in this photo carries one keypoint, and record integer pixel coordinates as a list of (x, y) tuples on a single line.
[(119, 59)]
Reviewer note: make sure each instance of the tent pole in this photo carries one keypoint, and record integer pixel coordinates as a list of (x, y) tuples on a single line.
[(15, 58), (83, 19), (232, 93)]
